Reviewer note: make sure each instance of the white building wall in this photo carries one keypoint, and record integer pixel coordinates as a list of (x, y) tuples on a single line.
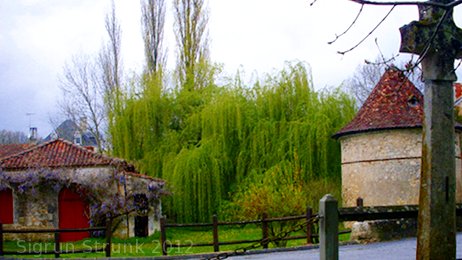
[(383, 167)]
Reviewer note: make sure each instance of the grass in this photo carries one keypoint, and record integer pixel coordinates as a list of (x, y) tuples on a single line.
[(151, 246)]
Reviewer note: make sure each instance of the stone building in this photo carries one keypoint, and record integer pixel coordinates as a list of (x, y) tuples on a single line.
[(58, 184), (382, 146), (381, 155)]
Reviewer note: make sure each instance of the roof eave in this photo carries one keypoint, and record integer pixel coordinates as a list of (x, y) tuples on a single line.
[(339, 134)]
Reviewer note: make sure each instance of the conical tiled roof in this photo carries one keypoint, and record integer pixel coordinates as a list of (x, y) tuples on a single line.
[(394, 103)]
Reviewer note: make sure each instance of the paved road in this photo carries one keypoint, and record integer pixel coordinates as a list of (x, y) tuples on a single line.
[(393, 250)]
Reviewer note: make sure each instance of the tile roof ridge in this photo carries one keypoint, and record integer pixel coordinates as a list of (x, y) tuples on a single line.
[(112, 160)]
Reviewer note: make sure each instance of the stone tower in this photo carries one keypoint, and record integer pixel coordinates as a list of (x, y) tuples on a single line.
[(382, 146)]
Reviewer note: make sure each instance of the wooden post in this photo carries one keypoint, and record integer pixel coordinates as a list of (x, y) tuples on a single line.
[(163, 236), (57, 245), (309, 231), (108, 248), (264, 229), (1, 239), (328, 228), (359, 202), (216, 246)]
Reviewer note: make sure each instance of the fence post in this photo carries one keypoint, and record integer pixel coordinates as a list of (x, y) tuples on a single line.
[(216, 246), (309, 231), (359, 202), (328, 228), (1, 239), (108, 248), (264, 229), (57, 245), (163, 236)]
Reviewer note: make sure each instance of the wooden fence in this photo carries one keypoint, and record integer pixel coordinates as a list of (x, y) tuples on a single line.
[(309, 235), (330, 215), (57, 246)]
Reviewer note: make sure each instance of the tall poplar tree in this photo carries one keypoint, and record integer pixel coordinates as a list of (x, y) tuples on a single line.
[(153, 23), (191, 18)]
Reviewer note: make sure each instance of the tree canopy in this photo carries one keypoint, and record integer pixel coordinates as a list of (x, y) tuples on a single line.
[(207, 142)]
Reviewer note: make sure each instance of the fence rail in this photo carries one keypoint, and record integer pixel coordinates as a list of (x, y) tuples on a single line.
[(331, 216), (309, 236), (57, 245)]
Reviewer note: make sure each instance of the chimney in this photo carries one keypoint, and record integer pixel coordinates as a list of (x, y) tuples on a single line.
[(83, 124), (33, 134)]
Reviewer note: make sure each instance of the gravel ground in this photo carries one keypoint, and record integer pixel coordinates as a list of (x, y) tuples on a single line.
[(393, 250)]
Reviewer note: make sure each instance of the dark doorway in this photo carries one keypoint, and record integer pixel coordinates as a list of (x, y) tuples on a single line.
[(142, 220), (141, 226)]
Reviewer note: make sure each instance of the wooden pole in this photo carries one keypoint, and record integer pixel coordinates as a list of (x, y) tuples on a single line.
[(163, 236), (216, 246), (57, 245), (108, 247), (264, 229), (328, 228), (437, 40), (309, 231)]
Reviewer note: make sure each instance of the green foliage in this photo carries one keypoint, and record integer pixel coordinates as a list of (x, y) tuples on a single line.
[(208, 141), (278, 192)]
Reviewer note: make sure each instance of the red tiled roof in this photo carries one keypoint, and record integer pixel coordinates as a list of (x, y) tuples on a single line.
[(457, 91), (394, 103), (10, 149), (59, 153)]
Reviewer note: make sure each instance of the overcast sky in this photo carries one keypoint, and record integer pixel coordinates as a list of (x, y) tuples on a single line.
[(38, 36)]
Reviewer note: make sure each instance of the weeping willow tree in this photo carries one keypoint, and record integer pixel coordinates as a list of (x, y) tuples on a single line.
[(207, 142)]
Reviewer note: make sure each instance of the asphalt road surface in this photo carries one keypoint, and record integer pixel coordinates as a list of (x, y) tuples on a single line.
[(393, 250)]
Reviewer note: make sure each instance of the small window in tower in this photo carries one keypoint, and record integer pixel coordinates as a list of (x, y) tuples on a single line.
[(412, 101)]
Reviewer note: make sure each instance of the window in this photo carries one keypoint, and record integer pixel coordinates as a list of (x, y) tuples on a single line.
[(6, 206)]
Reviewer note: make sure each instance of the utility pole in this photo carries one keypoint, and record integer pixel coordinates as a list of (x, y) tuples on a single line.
[(438, 42)]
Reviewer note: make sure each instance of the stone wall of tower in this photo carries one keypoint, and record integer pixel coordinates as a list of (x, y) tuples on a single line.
[(383, 167)]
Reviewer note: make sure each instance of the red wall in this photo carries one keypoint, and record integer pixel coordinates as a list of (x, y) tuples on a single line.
[(6, 206)]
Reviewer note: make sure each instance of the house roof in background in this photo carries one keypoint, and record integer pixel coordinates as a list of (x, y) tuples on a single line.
[(394, 103), (60, 153), (66, 131)]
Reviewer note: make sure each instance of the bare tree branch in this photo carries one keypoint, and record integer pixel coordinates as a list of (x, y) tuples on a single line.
[(81, 98), (367, 75), (89, 83), (395, 3), (369, 34), (349, 27)]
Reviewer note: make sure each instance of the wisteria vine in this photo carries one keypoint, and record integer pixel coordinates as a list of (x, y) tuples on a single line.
[(109, 194)]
